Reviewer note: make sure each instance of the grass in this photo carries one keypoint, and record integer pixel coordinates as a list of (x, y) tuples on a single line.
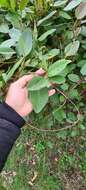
[(47, 161)]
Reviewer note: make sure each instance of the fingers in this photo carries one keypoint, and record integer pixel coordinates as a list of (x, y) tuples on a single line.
[(52, 92), (40, 72), (23, 81)]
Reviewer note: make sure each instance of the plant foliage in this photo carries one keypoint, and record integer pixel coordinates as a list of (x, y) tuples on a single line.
[(50, 35), (45, 36)]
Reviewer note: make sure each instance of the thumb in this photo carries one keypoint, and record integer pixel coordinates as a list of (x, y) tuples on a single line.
[(22, 82)]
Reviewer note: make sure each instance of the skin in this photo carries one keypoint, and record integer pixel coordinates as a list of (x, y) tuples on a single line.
[(17, 96)]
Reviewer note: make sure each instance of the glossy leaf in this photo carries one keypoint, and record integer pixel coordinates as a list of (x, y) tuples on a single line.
[(72, 5), (72, 48), (57, 67), (46, 34), (83, 31), (14, 19), (64, 15), (60, 3), (4, 28), (39, 99), (46, 18), (83, 70), (14, 34), (8, 43), (6, 51), (24, 46)]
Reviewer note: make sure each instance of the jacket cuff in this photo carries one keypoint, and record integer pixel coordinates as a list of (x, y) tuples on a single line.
[(8, 113)]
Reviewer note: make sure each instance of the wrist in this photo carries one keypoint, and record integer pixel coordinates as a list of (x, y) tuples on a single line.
[(11, 105), (8, 113)]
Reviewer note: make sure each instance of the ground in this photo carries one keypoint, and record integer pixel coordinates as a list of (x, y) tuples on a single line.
[(47, 160)]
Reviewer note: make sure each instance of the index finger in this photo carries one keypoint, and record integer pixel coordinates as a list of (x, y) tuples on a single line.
[(40, 72), (23, 81)]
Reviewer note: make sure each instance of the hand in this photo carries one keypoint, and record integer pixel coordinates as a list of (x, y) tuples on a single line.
[(17, 96)]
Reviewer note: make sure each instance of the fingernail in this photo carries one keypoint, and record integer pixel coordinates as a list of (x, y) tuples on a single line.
[(40, 71), (52, 92)]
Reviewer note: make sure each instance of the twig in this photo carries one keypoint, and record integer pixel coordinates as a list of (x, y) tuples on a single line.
[(61, 106), (64, 128), (79, 82), (69, 126), (67, 98), (54, 130)]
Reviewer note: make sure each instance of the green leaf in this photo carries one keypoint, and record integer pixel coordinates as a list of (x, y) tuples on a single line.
[(57, 79), (83, 31), (38, 83), (72, 48), (80, 117), (6, 51), (71, 116), (8, 43), (65, 71), (59, 114), (14, 34), (81, 63), (46, 18), (83, 127), (1, 187), (83, 70), (39, 99), (64, 15), (73, 94), (74, 133), (57, 67), (52, 53), (60, 3), (8, 76), (64, 87), (4, 28), (80, 11), (13, 4), (73, 77), (72, 5), (14, 19), (4, 3), (69, 35), (23, 4), (24, 45), (84, 46), (46, 34)]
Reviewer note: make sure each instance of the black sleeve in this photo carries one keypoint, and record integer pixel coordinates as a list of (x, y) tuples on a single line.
[(10, 124)]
